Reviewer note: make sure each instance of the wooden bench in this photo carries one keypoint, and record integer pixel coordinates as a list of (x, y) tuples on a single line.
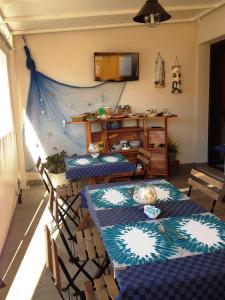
[(208, 183), (104, 286)]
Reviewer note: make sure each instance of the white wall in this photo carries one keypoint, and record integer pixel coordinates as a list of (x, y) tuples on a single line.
[(68, 57)]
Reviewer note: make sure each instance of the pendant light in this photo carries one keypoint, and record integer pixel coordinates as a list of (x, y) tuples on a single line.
[(151, 14)]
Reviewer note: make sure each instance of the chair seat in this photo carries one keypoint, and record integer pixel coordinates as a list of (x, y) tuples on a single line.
[(89, 245), (105, 287)]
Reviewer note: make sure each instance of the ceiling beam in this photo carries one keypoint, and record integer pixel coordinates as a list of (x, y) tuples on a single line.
[(35, 31), (208, 11), (103, 13)]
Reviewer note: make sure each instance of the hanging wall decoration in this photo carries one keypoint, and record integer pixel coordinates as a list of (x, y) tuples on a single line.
[(159, 72), (50, 106), (176, 78)]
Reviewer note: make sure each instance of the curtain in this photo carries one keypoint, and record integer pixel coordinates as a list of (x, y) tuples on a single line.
[(8, 151), (8, 148)]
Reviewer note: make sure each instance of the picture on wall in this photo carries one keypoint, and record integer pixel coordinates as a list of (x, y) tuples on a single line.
[(159, 72), (176, 78)]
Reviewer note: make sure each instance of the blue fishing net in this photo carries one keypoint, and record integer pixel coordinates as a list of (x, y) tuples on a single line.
[(49, 107)]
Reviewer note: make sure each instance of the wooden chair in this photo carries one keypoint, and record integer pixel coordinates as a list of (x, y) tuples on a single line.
[(105, 288), (143, 158), (207, 183), (48, 252), (65, 191), (82, 246), (57, 265)]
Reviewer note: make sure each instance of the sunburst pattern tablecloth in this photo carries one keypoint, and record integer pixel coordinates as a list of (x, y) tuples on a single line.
[(141, 242), (122, 196)]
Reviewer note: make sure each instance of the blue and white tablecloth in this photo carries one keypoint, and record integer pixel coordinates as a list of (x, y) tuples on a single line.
[(85, 166), (118, 196), (140, 243), (191, 268), (171, 202)]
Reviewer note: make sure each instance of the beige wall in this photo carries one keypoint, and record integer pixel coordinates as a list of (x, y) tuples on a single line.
[(68, 57)]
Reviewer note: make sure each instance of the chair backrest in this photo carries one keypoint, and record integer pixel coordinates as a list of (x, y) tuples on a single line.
[(143, 156), (44, 175), (207, 184), (57, 265), (55, 212), (56, 270), (48, 251)]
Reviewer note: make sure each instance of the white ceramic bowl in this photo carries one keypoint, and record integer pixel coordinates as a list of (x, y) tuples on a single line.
[(135, 144), (117, 147)]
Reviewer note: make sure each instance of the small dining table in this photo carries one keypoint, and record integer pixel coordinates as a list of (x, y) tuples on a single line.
[(183, 261), (84, 166)]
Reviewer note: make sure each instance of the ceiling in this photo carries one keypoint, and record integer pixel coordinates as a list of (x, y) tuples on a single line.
[(34, 16)]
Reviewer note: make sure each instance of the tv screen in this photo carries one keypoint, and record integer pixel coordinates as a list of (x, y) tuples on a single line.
[(116, 66)]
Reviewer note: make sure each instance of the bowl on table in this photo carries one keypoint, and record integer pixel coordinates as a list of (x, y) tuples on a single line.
[(134, 144), (117, 147)]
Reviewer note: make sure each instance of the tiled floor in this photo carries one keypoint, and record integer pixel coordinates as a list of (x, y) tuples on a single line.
[(26, 222)]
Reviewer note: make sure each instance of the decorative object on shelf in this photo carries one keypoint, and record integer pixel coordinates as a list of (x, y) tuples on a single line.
[(151, 14), (134, 144), (151, 112), (176, 78), (94, 149), (151, 211), (145, 194), (159, 72), (123, 110), (113, 125), (102, 113), (172, 150), (117, 147), (108, 111), (221, 148)]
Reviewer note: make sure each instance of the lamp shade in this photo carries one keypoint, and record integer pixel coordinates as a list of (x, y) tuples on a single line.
[(151, 8), (220, 148)]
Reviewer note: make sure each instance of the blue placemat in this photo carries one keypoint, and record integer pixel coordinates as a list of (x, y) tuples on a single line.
[(122, 196), (125, 215), (139, 243)]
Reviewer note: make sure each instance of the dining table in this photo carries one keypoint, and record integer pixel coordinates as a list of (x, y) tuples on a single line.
[(179, 255), (105, 165)]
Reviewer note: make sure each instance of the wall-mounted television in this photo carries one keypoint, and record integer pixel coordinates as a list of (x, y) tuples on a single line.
[(116, 66)]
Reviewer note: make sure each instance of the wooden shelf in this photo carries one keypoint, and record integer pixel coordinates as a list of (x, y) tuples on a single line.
[(156, 129), (141, 131), (156, 150), (125, 151), (123, 129)]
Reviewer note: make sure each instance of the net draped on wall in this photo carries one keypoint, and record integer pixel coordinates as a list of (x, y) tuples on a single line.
[(49, 107)]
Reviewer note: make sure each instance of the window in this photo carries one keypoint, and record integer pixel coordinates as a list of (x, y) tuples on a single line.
[(5, 104)]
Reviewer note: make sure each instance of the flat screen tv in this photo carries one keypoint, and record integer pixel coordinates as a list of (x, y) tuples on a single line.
[(116, 66)]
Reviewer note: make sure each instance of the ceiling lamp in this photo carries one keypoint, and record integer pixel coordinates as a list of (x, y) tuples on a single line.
[(151, 14)]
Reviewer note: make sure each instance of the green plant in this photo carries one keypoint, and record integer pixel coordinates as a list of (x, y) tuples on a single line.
[(172, 146), (55, 163)]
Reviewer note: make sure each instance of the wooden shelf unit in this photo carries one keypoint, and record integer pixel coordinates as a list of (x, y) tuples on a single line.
[(152, 132)]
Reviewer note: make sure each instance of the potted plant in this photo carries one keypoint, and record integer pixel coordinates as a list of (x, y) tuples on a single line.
[(172, 150), (55, 164)]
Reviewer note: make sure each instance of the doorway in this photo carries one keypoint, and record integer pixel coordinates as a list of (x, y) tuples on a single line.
[(216, 133)]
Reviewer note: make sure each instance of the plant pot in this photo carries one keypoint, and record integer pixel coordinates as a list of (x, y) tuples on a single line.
[(58, 179), (172, 157)]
